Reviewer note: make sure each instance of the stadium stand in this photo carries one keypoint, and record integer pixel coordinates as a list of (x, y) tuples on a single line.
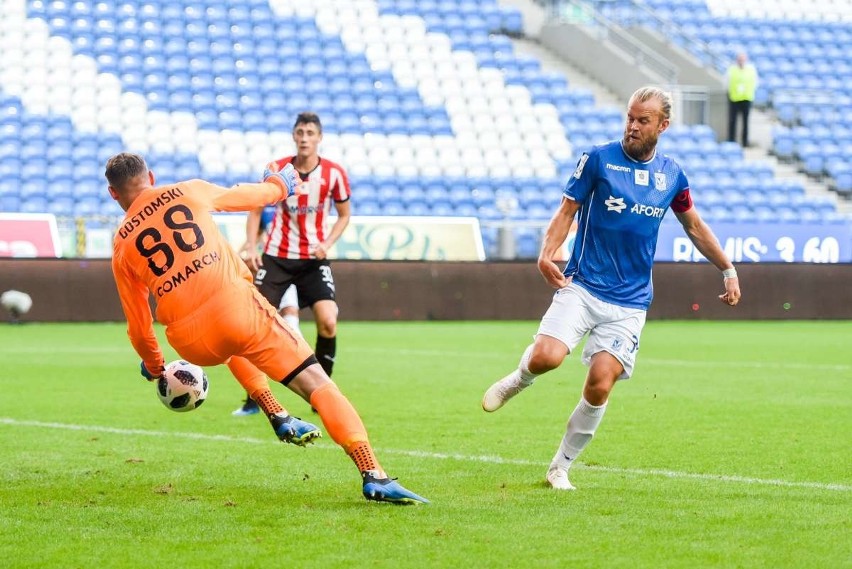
[(805, 71), (425, 102)]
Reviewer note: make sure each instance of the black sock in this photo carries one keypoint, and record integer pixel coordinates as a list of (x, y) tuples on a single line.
[(325, 351)]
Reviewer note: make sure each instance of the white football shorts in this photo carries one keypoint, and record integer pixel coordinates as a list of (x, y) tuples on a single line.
[(574, 312)]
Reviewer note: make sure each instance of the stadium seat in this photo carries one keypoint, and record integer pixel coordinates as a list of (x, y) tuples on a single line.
[(366, 208), (437, 84), (418, 208), (9, 203), (60, 205), (843, 183), (34, 203)]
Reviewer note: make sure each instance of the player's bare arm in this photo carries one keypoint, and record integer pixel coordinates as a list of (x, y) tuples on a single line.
[(554, 237), (344, 214), (705, 241), (249, 251)]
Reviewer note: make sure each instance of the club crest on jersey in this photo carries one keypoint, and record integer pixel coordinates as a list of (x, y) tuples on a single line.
[(615, 204), (641, 177), (660, 181)]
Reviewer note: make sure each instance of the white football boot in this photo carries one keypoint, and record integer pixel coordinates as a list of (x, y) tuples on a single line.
[(558, 479), (503, 390)]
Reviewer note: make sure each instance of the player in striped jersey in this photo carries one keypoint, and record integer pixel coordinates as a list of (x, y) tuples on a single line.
[(298, 240), (620, 192), (288, 308)]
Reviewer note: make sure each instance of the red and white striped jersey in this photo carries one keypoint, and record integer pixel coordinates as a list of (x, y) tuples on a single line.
[(300, 220)]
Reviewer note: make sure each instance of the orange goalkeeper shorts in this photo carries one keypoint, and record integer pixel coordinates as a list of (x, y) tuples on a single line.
[(238, 321)]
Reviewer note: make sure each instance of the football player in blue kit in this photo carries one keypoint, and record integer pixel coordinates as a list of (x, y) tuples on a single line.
[(620, 192)]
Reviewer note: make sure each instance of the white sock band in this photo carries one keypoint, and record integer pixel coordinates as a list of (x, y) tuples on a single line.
[(523, 366)]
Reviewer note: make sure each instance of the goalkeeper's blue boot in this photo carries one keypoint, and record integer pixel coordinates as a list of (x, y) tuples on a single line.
[(388, 490), (293, 430)]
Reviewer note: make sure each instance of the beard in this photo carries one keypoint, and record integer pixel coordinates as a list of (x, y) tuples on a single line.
[(639, 149)]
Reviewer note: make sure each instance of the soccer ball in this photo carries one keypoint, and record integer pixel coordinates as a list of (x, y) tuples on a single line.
[(16, 302), (183, 386)]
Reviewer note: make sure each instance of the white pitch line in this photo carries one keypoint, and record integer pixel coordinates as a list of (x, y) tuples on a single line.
[(649, 360), (23, 351), (490, 459)]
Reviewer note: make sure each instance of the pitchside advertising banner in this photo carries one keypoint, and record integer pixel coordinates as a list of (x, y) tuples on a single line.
[(381, 238), (764, 243), (454, 239), (29, 235)]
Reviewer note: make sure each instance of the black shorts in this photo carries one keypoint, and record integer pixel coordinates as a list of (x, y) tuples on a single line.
[(312, 277)]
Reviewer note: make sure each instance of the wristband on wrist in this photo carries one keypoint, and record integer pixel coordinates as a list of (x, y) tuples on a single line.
[(729, 273)]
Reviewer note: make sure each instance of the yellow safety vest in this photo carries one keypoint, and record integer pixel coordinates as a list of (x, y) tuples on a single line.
[(742, 82)]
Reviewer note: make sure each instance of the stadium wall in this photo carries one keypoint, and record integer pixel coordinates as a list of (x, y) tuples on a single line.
[(79, 290), (619, 70)]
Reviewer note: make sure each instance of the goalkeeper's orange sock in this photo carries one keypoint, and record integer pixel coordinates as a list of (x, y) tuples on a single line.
[(247, 374), (345, 427), (256, 385), (267, 402)]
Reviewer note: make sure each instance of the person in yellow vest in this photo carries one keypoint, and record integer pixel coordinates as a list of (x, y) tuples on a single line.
[(742, 84)]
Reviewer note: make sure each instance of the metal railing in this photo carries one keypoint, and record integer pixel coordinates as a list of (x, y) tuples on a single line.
[(691, 102), (690, 105), (584, 12), (672, 30)]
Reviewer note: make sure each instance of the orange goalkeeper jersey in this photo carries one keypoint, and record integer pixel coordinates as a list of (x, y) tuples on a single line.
[(169, 245)]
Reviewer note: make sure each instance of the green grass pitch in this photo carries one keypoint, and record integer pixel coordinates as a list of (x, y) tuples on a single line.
[(730, 447)]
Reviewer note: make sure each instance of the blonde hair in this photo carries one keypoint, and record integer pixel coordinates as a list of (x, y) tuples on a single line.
[(643, 94)]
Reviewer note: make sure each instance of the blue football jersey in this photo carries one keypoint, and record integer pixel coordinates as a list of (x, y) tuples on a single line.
[(622, 205), (266, 216)]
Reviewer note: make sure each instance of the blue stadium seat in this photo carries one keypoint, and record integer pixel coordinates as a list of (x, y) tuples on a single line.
[(86, 206), (224, 63), (10, 168), (843, 182), (60, 205), (367, 208), (9, 203), (443, 209), (110, 208), (527, 247), (418, 208), (254, 120), (392, 208), (34, 204)]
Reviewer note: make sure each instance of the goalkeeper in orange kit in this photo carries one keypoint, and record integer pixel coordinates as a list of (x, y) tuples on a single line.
[(169, 245)]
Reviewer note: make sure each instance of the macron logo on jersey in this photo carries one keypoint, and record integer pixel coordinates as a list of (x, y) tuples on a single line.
[(617, 168), (615, 204)]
